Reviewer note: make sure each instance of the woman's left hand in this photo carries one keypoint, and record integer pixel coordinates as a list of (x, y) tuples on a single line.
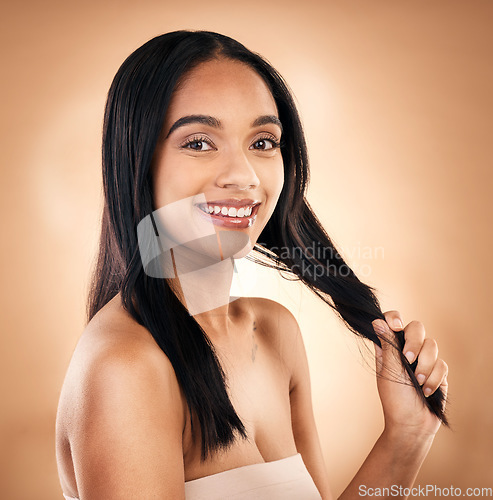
[(403, 410)]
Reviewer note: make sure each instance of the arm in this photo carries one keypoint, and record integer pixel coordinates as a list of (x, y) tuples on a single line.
[(128, 428), (409, 427), (303, 422), (394, 461)]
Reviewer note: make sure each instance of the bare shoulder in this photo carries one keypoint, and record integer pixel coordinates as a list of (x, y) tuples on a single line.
[(115, 351), (121, 394), (279, 328), (278, 317)]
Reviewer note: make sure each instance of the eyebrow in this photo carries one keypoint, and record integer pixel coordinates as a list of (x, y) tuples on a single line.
[(215, 123)]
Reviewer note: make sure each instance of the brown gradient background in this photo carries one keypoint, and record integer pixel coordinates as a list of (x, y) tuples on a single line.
[(397, 101)]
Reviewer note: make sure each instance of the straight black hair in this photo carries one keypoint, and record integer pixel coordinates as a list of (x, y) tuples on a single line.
[(134, 115)]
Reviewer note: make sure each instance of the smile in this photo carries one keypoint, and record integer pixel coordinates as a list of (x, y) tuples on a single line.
[(230, 213)]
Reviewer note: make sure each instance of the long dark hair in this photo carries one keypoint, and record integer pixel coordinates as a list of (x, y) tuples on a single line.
[(135, 110)]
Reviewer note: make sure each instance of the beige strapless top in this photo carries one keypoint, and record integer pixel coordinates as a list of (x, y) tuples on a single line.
[(285, 479)]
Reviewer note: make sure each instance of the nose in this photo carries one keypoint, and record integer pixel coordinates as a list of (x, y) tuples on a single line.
[(237, 172)]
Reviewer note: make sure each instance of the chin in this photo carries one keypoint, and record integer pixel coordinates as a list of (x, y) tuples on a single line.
[(243, 252), (238, 243)]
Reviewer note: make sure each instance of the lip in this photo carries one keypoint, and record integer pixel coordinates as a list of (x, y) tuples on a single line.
[(234, 202), (231, 222)]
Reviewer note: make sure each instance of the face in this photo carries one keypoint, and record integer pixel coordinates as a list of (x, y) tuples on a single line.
[(218, 165)]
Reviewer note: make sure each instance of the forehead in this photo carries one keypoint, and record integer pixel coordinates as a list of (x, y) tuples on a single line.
[(221, 87)]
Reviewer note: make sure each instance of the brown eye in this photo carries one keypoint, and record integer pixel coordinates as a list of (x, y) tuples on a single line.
[(265, 144), (198, 145)]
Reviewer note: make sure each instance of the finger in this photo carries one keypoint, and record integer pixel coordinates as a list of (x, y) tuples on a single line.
[(394, 320), (390, 359), (384, 333), (444, 388), (378, 358), (436, 377), (426, 360), (414, 335)]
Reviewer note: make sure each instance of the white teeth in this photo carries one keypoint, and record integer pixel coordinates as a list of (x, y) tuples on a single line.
[(228, 211)]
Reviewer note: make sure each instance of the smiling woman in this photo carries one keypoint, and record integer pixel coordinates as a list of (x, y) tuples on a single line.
[(176, 389), (231, 147)]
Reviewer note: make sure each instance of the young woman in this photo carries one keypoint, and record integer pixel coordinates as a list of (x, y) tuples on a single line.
[(175, 389)]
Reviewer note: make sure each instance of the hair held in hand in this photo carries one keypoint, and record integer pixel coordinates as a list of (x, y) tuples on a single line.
[(136, 106)]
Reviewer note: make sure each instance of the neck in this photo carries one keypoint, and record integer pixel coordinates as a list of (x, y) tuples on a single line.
[(205, 292)]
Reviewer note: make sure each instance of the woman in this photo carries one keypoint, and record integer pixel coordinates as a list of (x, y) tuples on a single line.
[(176, 390)]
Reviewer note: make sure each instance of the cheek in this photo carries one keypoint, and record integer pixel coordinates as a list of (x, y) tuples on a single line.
[(173, 179), (273, 183), (170, 183)]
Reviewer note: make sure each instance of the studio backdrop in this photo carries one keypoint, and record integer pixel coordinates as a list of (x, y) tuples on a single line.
[(396, 99)]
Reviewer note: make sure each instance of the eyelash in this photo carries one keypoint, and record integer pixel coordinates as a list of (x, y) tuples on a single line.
[(195, 139), (275, 144)]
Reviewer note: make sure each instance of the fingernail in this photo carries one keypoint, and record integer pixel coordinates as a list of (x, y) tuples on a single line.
[(421, 378), (398, 323), (410, 356), (427, 391)]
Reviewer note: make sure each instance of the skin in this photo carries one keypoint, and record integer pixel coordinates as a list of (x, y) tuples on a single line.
[(231, 160), (119, 379), (409, 427)]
